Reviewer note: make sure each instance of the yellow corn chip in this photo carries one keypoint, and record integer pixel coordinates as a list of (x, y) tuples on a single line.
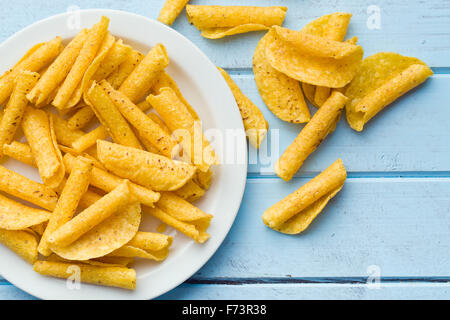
[(85, 83), (21, 242), (183, 216), (146, 127), (73, 190), (282, 95), (165, 80), (312, 59), (91, 217), (144, 76), (203, 179), (57, 71), (21, 152), (81, 118), (40, 134), (219, 21), (35, 60), (311, 136), (334, 27), (254, 123), (26, 189), (191, 191), (295, 213), (184, 126), (110, 117), (105, 181), (65, 135), (125, 69), (171, 10), (115, 57), (90, 139), (146, 245), (91, 46), (110, 276), (16, 216), (108, 236), (16, 106), (147, 169), (381, 79)]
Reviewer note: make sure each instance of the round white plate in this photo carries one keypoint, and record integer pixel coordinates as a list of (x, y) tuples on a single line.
[(204, 87)]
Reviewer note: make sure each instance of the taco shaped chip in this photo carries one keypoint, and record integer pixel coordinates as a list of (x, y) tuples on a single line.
[(146, 245), (16, 216), (145, 168), (219, 21), (334, 27), (111, 234), (282, 94), (294, 214), (313, 59), (381, 79), (21, 242), (254, 123)]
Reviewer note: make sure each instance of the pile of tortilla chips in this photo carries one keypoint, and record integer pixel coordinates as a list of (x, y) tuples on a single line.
[(94, 193)]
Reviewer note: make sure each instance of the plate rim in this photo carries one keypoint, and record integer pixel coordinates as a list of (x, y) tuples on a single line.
[(242, 144)]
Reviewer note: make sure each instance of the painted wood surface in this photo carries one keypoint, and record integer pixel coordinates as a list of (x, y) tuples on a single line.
[(392, 217)]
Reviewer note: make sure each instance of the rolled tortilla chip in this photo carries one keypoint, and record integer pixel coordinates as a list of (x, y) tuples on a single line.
[(125, 69), (16, 216), (219, 21), (194, 222), (106, 181), (156, 119), (191, 191), (334, 27), (312, 59), (91, 217), (146, 245), (184, 126), (85, 83), (110, 276), (140, 81), (191, 230), (146, 127), (91, 46), (147, 169), (282, 95), (21, 242), (171, 10), (57, 71), (204, 179), (311, 136), (39, 131), (90, 139), (81, 118), (21, 152), (111, 118), (34, 61), (382, 79), (108, 236), (65, 135), (254, 123), (26, 189), (16, 107), (75, 187), (165, 80), (115, 57), (295, 213)]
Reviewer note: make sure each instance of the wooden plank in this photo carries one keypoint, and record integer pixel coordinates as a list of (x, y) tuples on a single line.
[(410, 135), (423, 29), (308, 292), (9, 292), (400, 225)]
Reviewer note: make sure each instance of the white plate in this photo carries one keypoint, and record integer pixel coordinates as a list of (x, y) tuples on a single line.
[(204, 87)]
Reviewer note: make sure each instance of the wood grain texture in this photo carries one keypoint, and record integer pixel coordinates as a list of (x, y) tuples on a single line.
[(394, 211)]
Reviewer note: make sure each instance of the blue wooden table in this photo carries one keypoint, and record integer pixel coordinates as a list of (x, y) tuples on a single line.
[(389, 227)]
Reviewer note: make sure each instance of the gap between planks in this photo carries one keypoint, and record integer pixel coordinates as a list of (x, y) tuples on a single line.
[(365, 175), (249, 70)]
